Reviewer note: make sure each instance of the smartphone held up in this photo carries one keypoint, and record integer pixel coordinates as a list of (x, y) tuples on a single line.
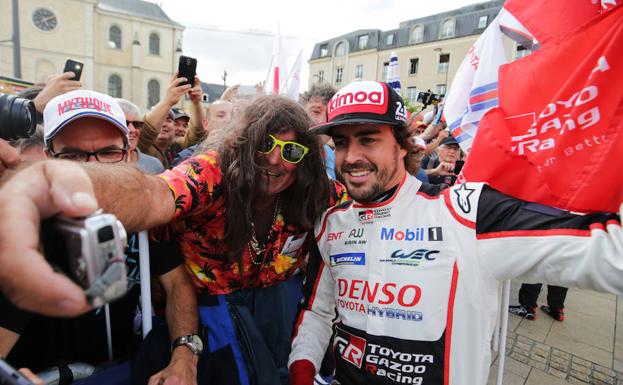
[(75, 67), (187, 68)]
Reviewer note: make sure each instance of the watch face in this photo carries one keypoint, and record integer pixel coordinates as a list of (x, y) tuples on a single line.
[(195, 340), (44, 19)]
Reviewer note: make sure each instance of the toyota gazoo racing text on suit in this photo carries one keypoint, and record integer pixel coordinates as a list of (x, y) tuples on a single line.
[(415, 279)]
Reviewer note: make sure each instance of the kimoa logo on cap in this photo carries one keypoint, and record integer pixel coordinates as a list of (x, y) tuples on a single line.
[(81, 103), (370, 97)]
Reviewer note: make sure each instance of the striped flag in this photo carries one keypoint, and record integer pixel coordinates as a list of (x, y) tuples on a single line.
[(393, 73)]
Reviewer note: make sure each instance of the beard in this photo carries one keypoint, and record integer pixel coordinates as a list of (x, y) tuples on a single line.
[(377, 187)]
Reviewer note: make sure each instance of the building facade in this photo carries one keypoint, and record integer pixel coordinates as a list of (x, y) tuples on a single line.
[(129, 48), (430, 50)]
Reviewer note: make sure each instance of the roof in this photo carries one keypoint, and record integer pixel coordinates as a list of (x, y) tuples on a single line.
[(137, 8), (466, 24), (214, 91)]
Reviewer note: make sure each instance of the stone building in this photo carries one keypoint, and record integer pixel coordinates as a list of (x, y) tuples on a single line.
[(129, 48), (430, 50)]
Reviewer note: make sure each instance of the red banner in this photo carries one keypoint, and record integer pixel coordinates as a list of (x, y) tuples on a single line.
[(547, 19), (556, 137)]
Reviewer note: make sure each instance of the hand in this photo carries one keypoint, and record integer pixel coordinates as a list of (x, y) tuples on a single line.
[(231, 92), (32, 194), (9, 157), (442, 135), (259, 88), (31, 376), (175, 90), (182, 370), (196, 92), (443, 169), (54, 86)]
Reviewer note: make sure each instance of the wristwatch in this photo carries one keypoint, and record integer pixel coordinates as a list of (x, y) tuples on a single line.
[(192, 341)]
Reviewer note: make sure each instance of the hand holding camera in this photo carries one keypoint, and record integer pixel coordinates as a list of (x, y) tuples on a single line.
[(39, 192)]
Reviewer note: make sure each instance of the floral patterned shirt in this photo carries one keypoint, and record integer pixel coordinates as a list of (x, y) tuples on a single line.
[(199, 227)]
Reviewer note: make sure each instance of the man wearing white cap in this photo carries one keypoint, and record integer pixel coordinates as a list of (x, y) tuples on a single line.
[(87, 126)]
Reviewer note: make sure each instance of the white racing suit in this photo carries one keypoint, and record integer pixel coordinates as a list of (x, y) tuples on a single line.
[(415, 279)]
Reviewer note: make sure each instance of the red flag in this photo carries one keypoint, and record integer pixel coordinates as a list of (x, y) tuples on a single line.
[(557, 136)]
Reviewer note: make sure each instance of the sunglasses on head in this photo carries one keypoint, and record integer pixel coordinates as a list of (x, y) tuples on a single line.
[(291, 152)]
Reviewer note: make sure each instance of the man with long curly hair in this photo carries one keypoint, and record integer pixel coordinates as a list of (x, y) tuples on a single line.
[(242, 213)]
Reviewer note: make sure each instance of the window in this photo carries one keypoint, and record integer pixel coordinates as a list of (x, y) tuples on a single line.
[(359, 72), (417, 35), (153, 93), (521, 51), (338, 76), (362, 42), (440, 89), (340, 49), (413, 66), (390, 39), (320, 76), (444, 62), (482, 21), (447, 29), (384, 73), (324, 50), (154, 44), (411, 94), (114, 86), (114, 37)]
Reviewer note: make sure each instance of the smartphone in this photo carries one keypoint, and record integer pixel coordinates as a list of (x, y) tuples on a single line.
[(75, 67), (458, 166), (10, 376), (187, 68)]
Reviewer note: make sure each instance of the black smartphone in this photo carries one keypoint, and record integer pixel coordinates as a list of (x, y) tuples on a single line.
[(10, 376), (187, 68), (458, 166), (74, 66)]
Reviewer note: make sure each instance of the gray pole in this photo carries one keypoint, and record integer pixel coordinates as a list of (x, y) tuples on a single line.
[(17, 56)]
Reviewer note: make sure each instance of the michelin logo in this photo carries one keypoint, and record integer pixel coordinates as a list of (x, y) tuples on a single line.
[(348, 259)]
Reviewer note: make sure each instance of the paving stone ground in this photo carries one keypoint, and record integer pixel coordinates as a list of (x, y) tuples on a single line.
[(586, 348)]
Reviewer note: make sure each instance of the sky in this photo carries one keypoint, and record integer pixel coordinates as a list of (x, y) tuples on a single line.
[(237, 36)]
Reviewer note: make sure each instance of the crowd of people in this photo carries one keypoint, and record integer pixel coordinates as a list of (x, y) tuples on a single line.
[(291, 242)]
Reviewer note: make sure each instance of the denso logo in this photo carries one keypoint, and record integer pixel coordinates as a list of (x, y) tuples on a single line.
[(379, 293), (352, 350), (415, 234)]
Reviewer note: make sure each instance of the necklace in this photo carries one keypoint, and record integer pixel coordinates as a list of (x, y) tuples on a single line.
[(256, 248)]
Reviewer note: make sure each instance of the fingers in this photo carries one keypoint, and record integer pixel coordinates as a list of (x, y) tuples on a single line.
[(156, 379), (29, 282), (31, 376), (9, 157), (28, 197)]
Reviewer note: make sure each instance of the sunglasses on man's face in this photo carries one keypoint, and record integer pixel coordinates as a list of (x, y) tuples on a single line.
[(136, 123), (291, 152)]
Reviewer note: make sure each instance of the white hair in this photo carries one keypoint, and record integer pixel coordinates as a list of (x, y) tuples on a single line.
[(128, 107)]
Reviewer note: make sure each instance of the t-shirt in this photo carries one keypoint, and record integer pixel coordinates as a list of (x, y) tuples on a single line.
[(149, 164), (199, 227), (45, 341)]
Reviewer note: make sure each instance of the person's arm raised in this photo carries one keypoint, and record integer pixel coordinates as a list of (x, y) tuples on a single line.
[(139, 201)]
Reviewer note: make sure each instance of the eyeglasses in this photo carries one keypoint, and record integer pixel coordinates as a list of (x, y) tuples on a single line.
[(291, 152), (136, 123), (110, 155)]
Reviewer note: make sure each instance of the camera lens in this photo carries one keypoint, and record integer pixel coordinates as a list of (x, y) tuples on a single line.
[(18, 117)]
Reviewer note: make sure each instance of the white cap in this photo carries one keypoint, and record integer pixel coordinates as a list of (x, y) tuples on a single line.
[(74, 105)]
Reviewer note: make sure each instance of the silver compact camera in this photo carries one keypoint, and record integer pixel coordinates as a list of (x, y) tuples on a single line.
[(91, 251)]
